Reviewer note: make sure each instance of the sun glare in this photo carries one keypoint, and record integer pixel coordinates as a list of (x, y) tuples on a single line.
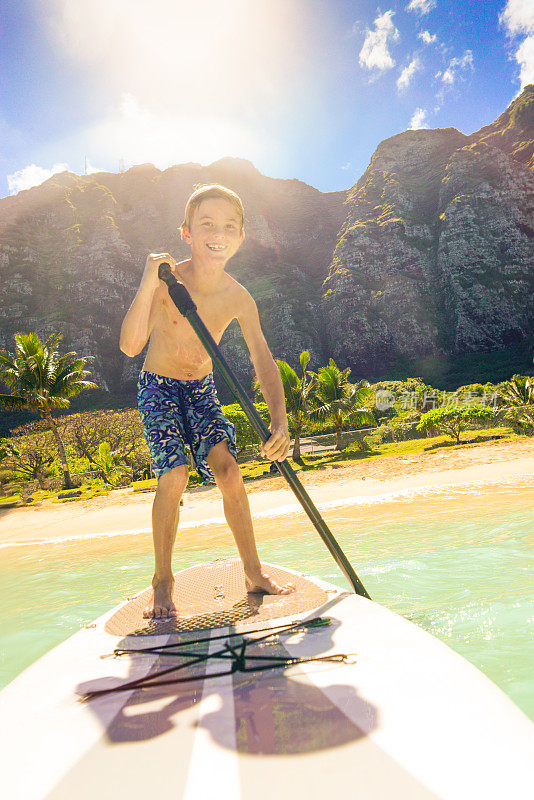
[(164, 138), (183, 81)]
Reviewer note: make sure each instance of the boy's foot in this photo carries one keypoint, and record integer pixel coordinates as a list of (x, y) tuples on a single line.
[(161, 605), (264, 584)]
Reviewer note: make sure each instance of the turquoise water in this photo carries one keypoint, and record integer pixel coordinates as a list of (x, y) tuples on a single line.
[(459, 567)]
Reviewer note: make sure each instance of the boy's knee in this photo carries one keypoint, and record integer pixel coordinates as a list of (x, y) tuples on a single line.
[(174, 480), (227, 474)]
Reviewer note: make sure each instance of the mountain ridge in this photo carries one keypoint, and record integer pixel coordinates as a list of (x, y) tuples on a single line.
[(429, 255)]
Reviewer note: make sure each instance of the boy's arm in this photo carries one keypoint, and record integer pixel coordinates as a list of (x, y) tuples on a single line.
[(277, 446), (139, 320)]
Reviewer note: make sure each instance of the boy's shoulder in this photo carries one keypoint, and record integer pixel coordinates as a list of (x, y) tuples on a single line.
[(240, 297)]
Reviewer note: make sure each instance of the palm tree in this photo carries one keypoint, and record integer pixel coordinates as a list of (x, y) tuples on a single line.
[(339, 401), (298, 393), (519, 391), (41, 379), (517, 395)]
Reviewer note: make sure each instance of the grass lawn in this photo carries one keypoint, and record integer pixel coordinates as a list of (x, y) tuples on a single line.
[(10, 501), (352, 453), (256, 469)]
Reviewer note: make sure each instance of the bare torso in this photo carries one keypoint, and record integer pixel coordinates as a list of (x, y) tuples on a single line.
[(174, 349)]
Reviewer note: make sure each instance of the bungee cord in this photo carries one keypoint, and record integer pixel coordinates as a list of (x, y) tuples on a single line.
[(240, 660)]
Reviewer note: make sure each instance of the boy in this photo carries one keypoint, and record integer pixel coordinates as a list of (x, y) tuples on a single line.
[(177, 398)]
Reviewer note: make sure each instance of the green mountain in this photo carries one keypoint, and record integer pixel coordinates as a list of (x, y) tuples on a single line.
[(435, 259), (425, 264)]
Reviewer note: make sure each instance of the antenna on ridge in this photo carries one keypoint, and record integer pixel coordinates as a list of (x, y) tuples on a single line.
[(86, 165), (121, 165)]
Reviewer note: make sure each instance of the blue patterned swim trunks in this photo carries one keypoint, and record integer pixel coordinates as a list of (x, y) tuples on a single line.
[(175, 413)]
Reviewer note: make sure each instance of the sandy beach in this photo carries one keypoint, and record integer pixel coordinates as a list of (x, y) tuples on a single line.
[(492, 462)]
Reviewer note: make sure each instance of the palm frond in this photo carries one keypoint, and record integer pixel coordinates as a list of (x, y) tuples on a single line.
[(53, 341), (360, 416), (6, 360), (10, 376), (63, 359), (304, 359), (64, 387), (287, 374), (50, 366), (30, 355), (321, 413), (58, 402), (66, 368), (74, 389)]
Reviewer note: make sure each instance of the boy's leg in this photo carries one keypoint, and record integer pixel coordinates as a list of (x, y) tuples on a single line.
[(165, 515), (237, 512)]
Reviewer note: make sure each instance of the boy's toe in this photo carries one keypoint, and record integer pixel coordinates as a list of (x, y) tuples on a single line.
[(288, 588)]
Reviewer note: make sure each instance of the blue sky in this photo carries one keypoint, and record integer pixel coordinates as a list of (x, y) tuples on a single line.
[(303, 88)]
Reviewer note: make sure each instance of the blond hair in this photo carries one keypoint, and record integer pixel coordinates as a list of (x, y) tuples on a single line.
[(207, 192)]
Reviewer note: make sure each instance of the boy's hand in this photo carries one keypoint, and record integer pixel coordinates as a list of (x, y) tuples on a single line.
[(150, 274), (276, 447)]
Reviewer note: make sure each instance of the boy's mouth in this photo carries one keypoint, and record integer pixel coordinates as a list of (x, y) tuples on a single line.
[(216, 248)]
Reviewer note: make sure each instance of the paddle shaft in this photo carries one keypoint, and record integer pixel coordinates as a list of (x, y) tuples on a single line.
[(185, 305)]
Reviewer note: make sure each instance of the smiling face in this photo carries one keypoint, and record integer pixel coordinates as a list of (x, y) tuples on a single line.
[(216, 231)]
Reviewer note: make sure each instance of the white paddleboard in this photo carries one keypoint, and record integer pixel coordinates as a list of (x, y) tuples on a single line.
[(402, 717)]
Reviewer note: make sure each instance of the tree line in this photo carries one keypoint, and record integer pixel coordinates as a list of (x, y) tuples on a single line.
[(111, 443)]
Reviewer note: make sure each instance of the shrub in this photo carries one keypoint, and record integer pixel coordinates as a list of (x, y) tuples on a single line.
[(451, 421), (245, 434)]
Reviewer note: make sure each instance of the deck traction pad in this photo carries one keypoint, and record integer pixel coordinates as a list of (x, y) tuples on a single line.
[(213, 595)]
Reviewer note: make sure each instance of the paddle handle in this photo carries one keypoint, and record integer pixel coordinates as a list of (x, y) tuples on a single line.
[(185, 305)]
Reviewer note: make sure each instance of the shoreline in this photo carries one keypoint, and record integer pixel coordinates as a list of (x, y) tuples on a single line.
[(366, 483)]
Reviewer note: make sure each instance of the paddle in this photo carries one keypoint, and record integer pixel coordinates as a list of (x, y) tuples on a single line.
[(185, 305)]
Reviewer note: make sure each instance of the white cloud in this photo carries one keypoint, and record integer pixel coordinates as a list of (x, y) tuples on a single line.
[(421, 6), (518, 19), (348, 165), (427, 37), (375, 53), (456, 65), (32, 175), (525, 58), (518, 16), (407, 74), (418, 120)]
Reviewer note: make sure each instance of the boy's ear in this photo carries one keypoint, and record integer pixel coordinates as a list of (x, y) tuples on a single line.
[(185, 236)]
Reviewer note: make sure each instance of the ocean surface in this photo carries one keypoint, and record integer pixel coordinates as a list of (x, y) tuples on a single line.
[(457, 561)]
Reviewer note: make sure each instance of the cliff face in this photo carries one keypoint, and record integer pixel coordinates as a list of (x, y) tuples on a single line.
[(485, 249), (383, 279), (436, 254), (431, 253)]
